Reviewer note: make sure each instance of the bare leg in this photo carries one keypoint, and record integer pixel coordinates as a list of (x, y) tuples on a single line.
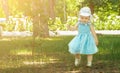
[(89, 60), (77, 56), (77, 59)]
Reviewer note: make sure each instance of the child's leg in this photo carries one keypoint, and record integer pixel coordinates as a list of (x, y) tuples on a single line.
[(89, 60), (77, 59), (77, 56)]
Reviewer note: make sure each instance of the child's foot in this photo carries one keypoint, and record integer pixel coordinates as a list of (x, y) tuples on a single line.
[(89, 64), (77, 62)]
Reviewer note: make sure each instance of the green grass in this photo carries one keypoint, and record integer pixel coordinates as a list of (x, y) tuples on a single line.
[(24, 55)]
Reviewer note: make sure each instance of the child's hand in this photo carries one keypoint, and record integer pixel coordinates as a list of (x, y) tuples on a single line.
[(96, 41)]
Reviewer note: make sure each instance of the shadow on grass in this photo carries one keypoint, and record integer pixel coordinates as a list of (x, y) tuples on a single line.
[(23, 55)]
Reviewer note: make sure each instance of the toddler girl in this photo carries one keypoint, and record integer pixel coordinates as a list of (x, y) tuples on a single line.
[(86, 40)]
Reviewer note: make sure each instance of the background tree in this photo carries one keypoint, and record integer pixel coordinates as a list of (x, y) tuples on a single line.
[(5, 7), (61, 12), (41, 11), (40, 17)]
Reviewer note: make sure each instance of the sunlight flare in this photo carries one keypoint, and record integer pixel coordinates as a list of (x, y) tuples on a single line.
[(42, 62), (25, 53)]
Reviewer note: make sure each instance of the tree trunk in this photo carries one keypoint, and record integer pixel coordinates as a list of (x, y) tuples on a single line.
[(91, 5), (40, 17), (65, 13), (51, 9), (5, 7)]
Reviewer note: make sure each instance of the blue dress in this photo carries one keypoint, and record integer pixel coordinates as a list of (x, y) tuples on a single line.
[(83, 43)]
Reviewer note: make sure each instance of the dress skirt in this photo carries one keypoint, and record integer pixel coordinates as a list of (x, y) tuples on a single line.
[(83, 43)]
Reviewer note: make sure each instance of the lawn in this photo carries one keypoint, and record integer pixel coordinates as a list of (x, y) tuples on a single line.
[(43, 55)]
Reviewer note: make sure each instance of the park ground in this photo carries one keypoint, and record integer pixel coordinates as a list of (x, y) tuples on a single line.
[(50, 55)]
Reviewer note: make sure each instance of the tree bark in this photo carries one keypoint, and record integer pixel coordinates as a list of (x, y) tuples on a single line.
[(51, 9), (5, 8), (91, 5), (40, 17), (65, 13)]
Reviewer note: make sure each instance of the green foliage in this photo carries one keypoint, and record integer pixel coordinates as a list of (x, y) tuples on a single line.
[(107, 14), (72, 20), (58, 25), (14, 24), (108, 23), (106, 11), (65, 10)]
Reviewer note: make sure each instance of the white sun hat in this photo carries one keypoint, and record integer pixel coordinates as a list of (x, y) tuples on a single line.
[(85, 11)]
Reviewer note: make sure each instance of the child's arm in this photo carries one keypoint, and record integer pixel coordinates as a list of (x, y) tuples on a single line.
[(76, 26), (94, 34)]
